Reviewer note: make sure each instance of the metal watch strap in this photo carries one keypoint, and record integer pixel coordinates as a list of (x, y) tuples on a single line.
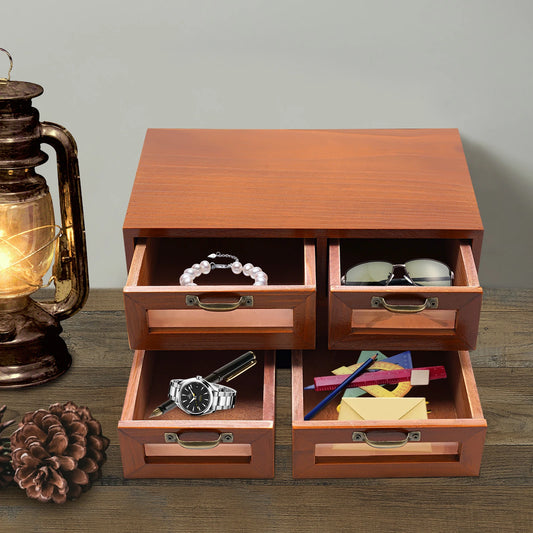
[(173, 389), (224, 397)]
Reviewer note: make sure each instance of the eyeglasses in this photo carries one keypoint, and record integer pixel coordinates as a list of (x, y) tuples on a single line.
[(424, 272)]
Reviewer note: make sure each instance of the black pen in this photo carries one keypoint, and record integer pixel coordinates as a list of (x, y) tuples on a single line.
[(227, 372), (163, 408), (233, 368)]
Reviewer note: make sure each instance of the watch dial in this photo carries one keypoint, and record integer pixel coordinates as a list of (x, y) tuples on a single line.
[(195, 397)]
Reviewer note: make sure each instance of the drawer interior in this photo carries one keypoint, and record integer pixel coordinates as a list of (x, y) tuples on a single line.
[(166, 259), (159, 367), (449, 398), (454, 253)]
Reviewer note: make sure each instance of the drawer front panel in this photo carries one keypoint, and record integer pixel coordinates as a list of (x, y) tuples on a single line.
[(234, 443), (449, 443), (442, 451), (249, 455), (438, 318), (237, 316)]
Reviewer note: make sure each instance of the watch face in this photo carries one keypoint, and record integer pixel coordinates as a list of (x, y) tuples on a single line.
[(195, 397)]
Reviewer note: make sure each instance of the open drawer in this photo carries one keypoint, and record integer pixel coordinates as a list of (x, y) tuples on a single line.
[(449, 443), (437, 318), (233, 443), (162, 315)]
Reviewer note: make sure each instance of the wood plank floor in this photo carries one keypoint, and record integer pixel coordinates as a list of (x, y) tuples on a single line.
[(500, 499)]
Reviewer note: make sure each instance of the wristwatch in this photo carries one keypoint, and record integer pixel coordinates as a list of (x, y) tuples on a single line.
[(197, 396), (202, 396)]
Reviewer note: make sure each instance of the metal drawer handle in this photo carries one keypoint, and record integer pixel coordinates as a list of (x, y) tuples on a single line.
[(379, 301), (361, 436), (243, 301), (223, 438)]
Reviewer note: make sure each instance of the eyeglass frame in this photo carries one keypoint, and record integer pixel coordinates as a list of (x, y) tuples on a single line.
[(393, 274)]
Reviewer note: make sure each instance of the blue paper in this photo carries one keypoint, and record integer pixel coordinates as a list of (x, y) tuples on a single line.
[(402, 359)]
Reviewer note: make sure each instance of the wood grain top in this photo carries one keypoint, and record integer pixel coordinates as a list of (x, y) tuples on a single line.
[(303, 183)]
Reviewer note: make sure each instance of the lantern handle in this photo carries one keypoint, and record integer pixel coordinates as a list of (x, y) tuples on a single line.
[(70, 270), (3, 80)]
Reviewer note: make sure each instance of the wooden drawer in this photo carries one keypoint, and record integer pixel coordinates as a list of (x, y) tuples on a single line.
[(239, 441), (162, 315), (436, 318), (450, 442)]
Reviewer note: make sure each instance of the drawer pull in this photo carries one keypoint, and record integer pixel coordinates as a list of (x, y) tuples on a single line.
[(243, 301), (361, 436), (223, 438), (379, 301)]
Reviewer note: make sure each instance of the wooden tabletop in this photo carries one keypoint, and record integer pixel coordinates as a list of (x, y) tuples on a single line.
[(498, 500)]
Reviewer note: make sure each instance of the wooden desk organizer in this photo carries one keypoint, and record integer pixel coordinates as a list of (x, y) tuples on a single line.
[(305, 206)]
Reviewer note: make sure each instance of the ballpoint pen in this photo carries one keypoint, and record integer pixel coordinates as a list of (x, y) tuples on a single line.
[(340, 388), (227, 372)]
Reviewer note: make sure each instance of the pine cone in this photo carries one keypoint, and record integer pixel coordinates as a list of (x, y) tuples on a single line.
[(57, 454), (6, 471)]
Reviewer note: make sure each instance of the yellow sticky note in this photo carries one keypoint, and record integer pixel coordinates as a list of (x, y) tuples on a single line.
[(344, 370)]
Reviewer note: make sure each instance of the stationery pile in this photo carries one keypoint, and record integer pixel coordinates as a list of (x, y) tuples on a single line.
[(369, 375)]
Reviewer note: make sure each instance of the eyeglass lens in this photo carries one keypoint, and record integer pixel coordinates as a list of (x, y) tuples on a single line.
[(425, 272), (429, 272)]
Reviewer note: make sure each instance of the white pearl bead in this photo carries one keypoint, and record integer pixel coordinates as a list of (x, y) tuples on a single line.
[(185, 279), (191, 272), (255, 271), (236, 267), (260, 282), (261, 276), (247, 268), (205, 267), (197, 270)]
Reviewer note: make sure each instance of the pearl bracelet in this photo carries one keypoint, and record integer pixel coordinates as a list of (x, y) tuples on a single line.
[(205, 267)]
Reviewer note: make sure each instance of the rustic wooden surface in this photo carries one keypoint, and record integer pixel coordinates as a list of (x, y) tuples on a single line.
[(499, 500)]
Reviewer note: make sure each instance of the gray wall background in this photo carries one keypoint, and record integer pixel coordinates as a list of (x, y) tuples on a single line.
[(111, 69)]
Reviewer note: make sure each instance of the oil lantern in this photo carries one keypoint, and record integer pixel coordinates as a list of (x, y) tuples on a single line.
[(32, 243)]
